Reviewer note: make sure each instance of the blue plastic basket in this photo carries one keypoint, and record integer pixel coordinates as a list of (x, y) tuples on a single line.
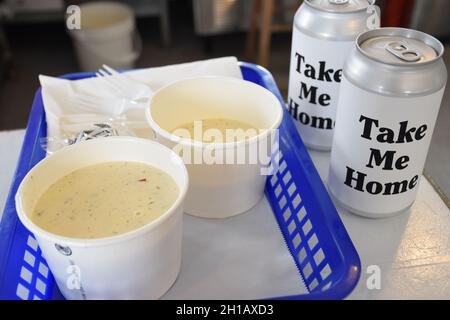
[(316, 238)]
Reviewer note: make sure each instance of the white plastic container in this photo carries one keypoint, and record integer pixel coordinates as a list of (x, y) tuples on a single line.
[(108, 35), (140, 264), (218, 190)]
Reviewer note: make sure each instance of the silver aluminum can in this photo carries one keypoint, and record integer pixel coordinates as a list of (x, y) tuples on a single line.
[(324, 33), (392, 88)]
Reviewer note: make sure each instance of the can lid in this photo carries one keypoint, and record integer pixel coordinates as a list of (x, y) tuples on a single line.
[(399, 46), (340, 6)]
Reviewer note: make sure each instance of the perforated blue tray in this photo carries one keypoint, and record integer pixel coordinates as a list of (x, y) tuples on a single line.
[(316, 238)]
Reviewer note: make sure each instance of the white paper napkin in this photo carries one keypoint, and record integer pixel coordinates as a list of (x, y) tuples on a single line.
[(63, 122)]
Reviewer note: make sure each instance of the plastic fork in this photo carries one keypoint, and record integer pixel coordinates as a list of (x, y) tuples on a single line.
[(121, 83), (100, 105), (126, 94)]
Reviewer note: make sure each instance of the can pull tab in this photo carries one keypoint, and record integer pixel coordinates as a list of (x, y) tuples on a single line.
[(338, 1), (403, 51)]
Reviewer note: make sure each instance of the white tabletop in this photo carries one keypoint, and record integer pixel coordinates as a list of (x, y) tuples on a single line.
[(10, 144), (411, 251)]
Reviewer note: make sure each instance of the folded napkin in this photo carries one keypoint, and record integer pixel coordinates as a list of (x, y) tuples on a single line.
[(64, 122)]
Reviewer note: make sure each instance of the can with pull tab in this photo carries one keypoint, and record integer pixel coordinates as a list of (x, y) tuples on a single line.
[(392, 88), (324, 33)]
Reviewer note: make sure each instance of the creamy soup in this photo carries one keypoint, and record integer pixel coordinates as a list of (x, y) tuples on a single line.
[(105, 200), (229, 130)]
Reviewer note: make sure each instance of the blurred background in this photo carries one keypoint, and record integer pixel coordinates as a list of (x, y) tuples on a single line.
[(34, 40)]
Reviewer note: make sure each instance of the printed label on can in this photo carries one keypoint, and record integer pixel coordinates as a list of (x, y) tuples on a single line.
[(315, 76), (379, 149)]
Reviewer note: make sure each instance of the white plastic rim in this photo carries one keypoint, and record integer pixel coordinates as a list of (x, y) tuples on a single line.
[(217, 191), (149, 257), (254, 94), (49, 162)]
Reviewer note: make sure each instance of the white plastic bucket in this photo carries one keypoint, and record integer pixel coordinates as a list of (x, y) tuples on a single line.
[(218, 190), (140, 264), (107, 36)]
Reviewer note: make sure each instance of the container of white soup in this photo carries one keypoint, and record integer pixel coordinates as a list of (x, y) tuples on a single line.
[(107, 214), (226, 131)]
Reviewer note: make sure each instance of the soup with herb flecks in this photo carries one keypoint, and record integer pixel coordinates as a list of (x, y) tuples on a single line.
[(104, 200)]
